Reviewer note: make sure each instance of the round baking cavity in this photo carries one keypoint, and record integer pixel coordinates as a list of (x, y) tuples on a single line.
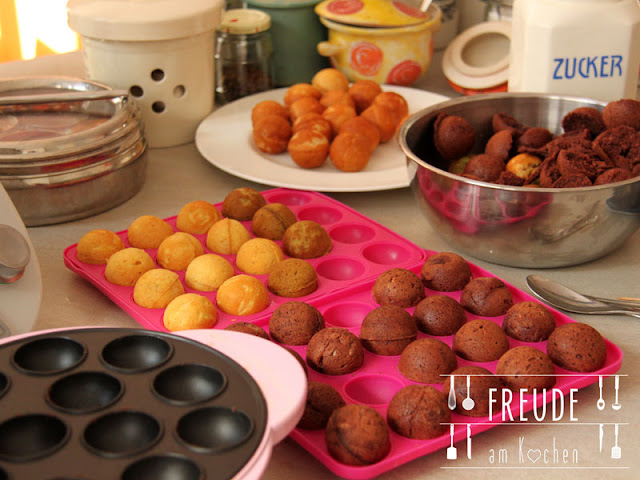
[(4, 384), (342, 269), (84, 392), (49, 355), (189, 384), (214, 429), (291, 199), (122, 434), (29, 437), (321, 215), (386, 253), (136, 353), (346, 315), (352, 233), (373, 389), (163, 467)]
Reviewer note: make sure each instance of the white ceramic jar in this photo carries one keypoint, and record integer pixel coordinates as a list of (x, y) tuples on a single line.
[(587, 48), (161, 51)]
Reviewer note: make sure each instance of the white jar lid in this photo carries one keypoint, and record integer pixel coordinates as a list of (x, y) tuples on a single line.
[(143, 20), (244, 21), (478, 58)]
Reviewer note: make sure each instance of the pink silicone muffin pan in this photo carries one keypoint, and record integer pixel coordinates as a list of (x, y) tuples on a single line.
[(362, 249), (375, 383)]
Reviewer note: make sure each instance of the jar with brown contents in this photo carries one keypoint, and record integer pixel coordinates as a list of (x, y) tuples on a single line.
[(243, 55)]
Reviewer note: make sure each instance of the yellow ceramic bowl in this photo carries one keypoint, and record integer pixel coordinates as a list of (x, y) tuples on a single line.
[(395, 55)]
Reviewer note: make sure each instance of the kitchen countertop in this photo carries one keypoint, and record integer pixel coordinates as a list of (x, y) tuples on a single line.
[(180, 174)]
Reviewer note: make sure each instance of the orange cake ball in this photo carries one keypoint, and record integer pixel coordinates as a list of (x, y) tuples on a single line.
[(156, 288), (315, 122), (197, 217), (242, 295), (363, 92), (189, 311), (306, 239), (364, 127), (395, 102), (308, 148), (178, 250), (226, 236), (271, 134), (384, 119), (336, 96), (304, 105), (207, 272), (148, 231), (330, 79), (242, 203), (299, 90), (293, 277), (126, 266), (268, 107), (350, 152), (258, 256), (338, 114), (96, 246)]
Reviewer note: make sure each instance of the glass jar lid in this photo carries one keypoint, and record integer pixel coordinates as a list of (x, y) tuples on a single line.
[(371, 13), (244, 21)]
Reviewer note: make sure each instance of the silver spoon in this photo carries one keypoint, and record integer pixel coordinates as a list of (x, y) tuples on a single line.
[(563, 297), (468, 403), (14, 254)]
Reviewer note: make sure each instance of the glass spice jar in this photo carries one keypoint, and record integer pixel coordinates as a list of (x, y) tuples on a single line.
[(243, 55)]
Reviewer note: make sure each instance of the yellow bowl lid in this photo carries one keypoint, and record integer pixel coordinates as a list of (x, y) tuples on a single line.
[(371, 13)]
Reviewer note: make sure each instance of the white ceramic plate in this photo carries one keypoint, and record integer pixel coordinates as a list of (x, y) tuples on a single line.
[(224, 139), (19, 301)]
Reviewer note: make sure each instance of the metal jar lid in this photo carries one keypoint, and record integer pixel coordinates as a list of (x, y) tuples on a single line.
[(65, 160), (244, 21)]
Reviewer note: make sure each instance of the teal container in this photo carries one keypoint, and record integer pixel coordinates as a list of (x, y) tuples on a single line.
[(295, 34)]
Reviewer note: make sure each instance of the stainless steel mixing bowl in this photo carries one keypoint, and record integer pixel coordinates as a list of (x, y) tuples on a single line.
[(516, 226)]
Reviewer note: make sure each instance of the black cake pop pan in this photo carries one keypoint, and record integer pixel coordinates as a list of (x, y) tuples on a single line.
[(112, 403)]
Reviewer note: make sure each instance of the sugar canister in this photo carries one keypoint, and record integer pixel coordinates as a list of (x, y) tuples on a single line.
[(243, 54), (587, 48)]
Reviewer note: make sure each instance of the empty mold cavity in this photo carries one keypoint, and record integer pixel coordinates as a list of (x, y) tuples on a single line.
[(373, 389), (29, 437), (386, 253), (122, 433), (291, 199), (188, 384), (346, 315), (158, 106), (321, 215), (163, 467), (341, 269), (136, 353), (352, 233), (214, 429), (179, 91), (4, 384), (84, 392), (49, 355)]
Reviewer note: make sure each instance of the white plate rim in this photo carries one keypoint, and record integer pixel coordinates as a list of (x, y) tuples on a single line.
[(224, 139)]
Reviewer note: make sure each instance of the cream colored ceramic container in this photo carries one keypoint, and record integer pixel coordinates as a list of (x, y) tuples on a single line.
[(387, 42)]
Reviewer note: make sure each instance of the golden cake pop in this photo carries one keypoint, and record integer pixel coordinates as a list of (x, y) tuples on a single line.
[(156, 288), (258, 256), (96, 246), (207, 272), (189, 311), (197, 217), (226, 236), (242, 295), (148, 231), (178, 250), (126, 266)]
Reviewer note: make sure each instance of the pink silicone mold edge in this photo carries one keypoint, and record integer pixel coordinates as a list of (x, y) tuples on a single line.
[(386, 374), (362, 249)]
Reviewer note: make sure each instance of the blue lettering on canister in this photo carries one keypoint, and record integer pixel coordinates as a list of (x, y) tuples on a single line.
[(597, 66)]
